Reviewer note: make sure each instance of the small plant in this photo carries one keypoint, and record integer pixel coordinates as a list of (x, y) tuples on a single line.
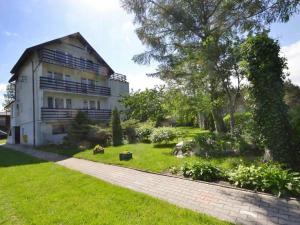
[(143, 133), (174, 170), (202, 171), (267, 178), (117, 136), (163, 134), (98, 149)]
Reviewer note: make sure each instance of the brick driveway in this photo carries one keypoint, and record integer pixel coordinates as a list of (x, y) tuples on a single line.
[(233, 205)]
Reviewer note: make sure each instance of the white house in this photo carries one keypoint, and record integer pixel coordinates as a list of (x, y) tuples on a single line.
[(53, 81)]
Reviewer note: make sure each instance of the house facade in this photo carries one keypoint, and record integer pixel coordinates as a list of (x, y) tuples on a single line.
[(55, 80)]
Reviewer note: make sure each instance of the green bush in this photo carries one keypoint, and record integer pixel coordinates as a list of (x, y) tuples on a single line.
[(117, 134), (78, 129), (143, 133), (267, 178), (130, 127), (202, 171), (163, 134), (99, 135)]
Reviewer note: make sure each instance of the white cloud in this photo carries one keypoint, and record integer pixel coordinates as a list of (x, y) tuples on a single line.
[(10, 34), (140, 81), (2, 87), (292, 53)]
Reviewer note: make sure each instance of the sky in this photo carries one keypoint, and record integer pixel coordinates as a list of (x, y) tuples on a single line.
[(108, 28)]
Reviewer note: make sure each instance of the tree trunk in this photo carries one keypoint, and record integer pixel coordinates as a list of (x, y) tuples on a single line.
[(218, 120), (201, 120), (232, 120)]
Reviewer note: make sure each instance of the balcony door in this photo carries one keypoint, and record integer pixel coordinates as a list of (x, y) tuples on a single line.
[(84, 85), (67, 83)]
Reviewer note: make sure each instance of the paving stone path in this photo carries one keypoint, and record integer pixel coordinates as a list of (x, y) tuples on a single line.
[(237, 206)]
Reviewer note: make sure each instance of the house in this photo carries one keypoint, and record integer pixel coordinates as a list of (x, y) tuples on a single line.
[(4, 120), (53, 81)]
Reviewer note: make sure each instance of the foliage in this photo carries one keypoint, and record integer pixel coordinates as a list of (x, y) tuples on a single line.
[(264, 70), (267, 178), (130, 127), (242, 122), (117, 134), (202, 171), (78, 129), (193, 41), (144, 132), (163, 135), (9, 95), (99, 135), (144, 105)]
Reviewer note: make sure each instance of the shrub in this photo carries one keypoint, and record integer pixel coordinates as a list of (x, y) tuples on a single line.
[(202, 171), (78, 129), (144, 132), (130, 127), (99, 135), (267, 178), (163, 134), (117, 136)]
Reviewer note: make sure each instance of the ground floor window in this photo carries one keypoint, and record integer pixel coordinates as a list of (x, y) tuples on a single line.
[(59, 129)]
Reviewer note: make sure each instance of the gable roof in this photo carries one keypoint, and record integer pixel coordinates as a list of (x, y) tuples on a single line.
[(28, 51)]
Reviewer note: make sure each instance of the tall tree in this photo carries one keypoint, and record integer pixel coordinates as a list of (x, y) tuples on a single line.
[(187, 37), (264, 70), (9, 95), (117, 134)]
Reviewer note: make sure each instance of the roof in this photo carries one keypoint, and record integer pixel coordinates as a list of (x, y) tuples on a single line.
[(28, 51)]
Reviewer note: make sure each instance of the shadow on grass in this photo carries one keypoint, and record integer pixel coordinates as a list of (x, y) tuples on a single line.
[(10, 157), (171, 145)]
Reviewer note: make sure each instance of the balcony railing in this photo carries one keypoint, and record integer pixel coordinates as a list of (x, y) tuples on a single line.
[(74, 87), (60, 58), (49, 114)]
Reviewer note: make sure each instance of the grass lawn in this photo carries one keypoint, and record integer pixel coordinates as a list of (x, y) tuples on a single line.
[(37, 192), (147, 156)]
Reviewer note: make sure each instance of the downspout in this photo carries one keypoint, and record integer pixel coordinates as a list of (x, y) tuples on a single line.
[(33, 99)]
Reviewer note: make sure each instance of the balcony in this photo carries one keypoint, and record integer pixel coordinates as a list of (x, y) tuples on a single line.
[(49, 114), (73, 87), (67, 60)]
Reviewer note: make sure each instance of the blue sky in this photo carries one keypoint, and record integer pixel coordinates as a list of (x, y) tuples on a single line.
[(107, 27)]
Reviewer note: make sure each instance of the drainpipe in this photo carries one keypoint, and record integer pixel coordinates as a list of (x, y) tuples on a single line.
[(33, 99)]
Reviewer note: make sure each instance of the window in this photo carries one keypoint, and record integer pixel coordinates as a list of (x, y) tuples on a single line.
[(60, 56), (58, 76), (18, 109), (85, 104), (49, 74), (91, 84), (89, 64), (59, 129), (50, 102), (67, 77), (69, 59), (92, 105), (82, 63), (59, 103), (84, 85), (69, 103), (98, 104)]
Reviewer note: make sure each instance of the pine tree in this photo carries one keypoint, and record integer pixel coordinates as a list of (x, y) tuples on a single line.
[(116, 128), (79, 128)]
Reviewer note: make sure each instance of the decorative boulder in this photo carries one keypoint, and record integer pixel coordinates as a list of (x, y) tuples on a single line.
[(185, 148), (98, 149)]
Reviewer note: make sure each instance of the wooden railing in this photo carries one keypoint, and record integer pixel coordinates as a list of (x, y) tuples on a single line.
[(69, 114), (60, 58), (72, 86)]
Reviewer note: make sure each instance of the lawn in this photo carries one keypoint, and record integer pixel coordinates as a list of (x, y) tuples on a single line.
[(38, 192), (147, 156)]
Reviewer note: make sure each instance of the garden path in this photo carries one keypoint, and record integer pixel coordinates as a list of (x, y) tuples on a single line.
[(234, 205)]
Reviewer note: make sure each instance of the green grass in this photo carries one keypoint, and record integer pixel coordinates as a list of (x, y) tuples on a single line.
[(147, 156), (37, 192)]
